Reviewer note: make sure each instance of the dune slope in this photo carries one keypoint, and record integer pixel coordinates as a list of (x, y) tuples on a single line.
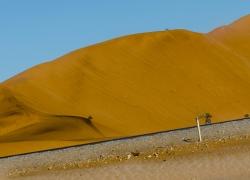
[(130, 85)]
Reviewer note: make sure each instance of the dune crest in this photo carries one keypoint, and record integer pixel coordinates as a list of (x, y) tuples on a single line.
[(131, 85)]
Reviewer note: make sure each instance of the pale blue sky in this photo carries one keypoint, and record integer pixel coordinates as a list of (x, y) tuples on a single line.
[(34, 31)]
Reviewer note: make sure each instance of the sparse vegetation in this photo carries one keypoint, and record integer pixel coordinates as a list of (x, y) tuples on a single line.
[(208, 118), (246, 116)]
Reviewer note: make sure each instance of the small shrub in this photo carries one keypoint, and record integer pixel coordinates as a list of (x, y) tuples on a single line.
[(208, 118), (246, 116)]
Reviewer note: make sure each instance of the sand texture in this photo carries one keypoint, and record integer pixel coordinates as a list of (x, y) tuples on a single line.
[(131, 85)]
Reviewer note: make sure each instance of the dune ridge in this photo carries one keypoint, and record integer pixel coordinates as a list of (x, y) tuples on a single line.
[(131, 85)]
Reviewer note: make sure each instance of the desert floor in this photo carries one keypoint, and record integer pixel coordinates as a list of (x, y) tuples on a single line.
[(223, 154)]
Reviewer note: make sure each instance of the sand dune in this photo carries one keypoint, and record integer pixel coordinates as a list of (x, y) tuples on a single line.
[(130, 85)]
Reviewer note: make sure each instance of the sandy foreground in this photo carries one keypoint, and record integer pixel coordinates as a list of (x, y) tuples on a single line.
[(223, 154)]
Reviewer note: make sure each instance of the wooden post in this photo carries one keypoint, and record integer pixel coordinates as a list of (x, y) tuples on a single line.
[(199, 129)]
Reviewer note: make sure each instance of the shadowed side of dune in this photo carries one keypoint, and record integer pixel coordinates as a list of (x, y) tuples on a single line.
[(13, 113), (22, 123), (61, 128)]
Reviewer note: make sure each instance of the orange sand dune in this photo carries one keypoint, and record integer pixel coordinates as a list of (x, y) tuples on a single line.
[(131, 85)]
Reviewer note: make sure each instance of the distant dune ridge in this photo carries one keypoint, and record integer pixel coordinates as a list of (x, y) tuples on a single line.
[(131, 85)]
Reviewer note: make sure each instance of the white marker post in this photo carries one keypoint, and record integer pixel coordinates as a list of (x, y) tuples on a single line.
[(199, 129)]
